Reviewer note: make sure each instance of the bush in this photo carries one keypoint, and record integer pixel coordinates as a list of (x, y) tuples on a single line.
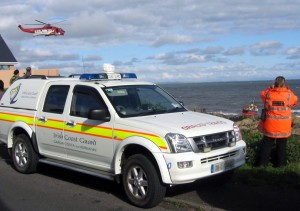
[(287, 176), (293, 149), (254, 140)]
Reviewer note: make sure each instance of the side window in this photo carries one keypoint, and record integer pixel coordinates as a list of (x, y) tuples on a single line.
[(56, 99), (84, 99)]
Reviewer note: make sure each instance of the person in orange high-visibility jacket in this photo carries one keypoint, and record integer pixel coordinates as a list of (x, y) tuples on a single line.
[(276, 125)]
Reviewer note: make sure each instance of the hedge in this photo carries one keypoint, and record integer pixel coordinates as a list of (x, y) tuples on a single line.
[(254, 141)]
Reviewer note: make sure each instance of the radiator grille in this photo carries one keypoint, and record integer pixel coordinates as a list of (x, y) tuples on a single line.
[(215, 141)]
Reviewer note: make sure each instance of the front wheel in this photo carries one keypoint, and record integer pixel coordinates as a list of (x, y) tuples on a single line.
[(25, 159), (141, 182)]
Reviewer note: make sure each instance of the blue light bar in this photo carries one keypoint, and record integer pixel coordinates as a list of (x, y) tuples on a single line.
[(107, 76), (128, 75), (93, 76)]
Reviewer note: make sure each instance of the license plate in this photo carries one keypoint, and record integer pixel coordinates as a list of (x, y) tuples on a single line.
[(222, 166)]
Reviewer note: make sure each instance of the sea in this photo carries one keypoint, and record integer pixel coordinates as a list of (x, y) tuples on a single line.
[(227, 98)]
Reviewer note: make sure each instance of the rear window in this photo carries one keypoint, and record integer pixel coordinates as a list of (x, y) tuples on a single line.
[(56, 99)]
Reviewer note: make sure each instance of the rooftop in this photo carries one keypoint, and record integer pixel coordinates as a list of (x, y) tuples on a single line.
[(6, 56)]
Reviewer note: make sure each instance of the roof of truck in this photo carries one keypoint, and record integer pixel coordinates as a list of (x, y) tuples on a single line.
[(25, 93)]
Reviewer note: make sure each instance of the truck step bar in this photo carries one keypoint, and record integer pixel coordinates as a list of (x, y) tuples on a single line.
[(81, 169)]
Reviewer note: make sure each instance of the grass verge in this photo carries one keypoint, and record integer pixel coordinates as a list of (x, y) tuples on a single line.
[(284, 177)]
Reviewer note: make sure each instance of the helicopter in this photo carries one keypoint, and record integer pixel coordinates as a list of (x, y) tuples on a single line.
[(46, 30)]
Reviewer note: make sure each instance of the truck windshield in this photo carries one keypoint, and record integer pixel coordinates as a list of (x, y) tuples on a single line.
[(141, 100)]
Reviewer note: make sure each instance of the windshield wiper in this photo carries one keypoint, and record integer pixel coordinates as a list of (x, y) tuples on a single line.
[(147, 112), (152, 112), (176, 109)]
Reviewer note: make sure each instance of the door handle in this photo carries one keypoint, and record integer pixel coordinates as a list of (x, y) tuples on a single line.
[(42, 119), (71, 123)]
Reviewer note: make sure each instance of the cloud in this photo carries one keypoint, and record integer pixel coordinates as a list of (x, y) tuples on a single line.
[(293, 53), (179, 58), (131, 62), (172, 39), (92, 58), (265, 48), (216, 40), (213, 50), (235, 51)]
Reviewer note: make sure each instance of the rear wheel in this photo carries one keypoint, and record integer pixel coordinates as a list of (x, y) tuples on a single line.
[(25, 159), (142, 183)]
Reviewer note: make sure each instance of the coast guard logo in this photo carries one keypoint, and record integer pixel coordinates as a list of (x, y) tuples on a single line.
[(14, 93)]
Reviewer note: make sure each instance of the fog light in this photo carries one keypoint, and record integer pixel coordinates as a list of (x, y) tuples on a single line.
[(206, 149), (231, 144), (185, 164)]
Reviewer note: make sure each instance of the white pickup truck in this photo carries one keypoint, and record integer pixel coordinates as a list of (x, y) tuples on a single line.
[(116, 127)]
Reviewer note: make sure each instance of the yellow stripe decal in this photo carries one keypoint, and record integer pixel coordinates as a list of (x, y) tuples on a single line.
[(84, 129), (8, 117)]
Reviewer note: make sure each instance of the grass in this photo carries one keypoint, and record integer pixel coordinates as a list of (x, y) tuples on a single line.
[(284, 177)]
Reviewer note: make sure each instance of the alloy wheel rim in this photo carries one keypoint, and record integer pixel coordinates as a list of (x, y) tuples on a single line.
[(137, 182), (21, 155)]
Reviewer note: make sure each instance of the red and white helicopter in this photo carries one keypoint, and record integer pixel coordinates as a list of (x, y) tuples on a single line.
[(46, 30)]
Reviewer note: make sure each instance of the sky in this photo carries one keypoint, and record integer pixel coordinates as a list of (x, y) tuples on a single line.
[(160, 41)]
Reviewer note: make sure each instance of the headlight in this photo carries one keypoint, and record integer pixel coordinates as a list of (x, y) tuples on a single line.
[(178, 142), (237, 132)]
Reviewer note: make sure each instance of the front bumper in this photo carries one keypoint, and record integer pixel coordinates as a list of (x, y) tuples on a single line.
[(204, 164)]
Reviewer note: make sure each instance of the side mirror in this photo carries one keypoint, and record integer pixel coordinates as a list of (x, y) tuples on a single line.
[(99, 114)]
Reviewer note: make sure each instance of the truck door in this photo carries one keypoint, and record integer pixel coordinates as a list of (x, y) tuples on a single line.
[(88, 140), (50, 121)]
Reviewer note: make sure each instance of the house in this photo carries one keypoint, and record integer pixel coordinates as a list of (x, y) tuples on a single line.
[(7, 59), (8, 62)]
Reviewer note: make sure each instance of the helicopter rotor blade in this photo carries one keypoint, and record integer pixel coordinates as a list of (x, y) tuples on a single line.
[(33, 24), (41, 22), (58, 22)]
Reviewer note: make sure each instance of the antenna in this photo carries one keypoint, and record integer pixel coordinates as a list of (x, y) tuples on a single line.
[(83, 66)]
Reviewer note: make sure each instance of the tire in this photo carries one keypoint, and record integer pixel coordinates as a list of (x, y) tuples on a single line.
[(9, 152), (142, 183), (25, 159)]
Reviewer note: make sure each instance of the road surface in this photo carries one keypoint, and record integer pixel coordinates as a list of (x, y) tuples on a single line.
[(54, 188)]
